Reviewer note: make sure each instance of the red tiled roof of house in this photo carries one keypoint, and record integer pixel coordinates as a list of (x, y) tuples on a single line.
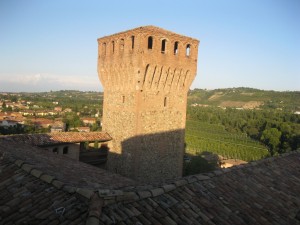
[(41, 120), (56, 138), (39, 187)]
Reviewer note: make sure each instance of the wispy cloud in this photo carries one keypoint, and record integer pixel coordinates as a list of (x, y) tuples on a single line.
[(46, 82)]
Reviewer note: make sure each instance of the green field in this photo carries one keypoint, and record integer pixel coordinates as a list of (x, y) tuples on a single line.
[(204, 137)]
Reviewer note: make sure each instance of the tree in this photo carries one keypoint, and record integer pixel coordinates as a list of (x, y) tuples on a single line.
[(271, 137)]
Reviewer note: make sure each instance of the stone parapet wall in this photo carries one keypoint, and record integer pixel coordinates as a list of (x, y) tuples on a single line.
[(125, 60)]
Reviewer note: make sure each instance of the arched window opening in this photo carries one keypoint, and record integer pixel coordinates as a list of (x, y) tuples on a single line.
[(65, 150), (55, 150), (123, 99), (113, 46), (104, 48), (132, 42), (176, 48), (163, 46), (150, 42), (122, 45), (165, 101), (188, 50)]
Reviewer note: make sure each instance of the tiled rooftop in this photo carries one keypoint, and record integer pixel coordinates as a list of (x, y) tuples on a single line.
[(41, 188), (57, 138), (25, 199)]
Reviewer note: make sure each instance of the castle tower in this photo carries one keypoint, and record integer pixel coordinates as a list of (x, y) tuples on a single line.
[(146, 73)]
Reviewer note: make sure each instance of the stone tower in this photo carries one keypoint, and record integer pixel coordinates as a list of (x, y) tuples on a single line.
[(146, 73)]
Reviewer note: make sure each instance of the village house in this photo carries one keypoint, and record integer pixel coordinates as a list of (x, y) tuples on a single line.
[(10, 119), (88, 120), (27, 112), (67, 110), (58, 108), (41, 122), (58, 126), (83, 129), (8, 123), (41, 113)]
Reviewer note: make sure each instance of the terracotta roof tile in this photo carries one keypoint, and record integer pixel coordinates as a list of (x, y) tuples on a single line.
[(57, 138), (58, 190), (50, 167)]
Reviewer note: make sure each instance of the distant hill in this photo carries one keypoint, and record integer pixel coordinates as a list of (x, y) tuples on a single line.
[(245, 98)]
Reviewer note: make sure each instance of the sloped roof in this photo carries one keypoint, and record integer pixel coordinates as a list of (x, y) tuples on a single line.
[(262, 192), (58, 138), (70, 171), (25, 199)]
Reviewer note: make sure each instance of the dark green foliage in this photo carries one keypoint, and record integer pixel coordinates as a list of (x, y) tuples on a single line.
[(253, 123), (271, 137), (72, 120)]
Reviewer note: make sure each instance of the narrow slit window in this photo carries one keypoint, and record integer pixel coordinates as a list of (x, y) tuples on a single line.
[(188, 50), (122, 45), (123, 99), (165, 101), (132, 42), (163, 46), (104, 48), (176, 48), (113, 46), (150, 42)]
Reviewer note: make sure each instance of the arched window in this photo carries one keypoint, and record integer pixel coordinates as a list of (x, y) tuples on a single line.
[(188, 50), (122, 45), (55, 150), (123, 98), (132, 42), (113, 46), (104, 48), (150, 42), (176, 48), (65, 150), (163, 46)]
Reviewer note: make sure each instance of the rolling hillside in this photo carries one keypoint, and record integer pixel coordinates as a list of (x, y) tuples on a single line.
[(245, 98)]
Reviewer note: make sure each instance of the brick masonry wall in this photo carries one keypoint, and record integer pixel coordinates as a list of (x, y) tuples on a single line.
[(145, 91)]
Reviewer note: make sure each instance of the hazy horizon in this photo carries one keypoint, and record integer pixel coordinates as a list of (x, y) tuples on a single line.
[(102, 90)]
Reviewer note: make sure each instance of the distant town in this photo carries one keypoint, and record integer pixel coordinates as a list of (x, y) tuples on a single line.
[(50, 112)]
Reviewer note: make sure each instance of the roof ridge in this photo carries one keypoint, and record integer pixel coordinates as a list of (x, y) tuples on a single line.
[(113, 196), (56, 138)]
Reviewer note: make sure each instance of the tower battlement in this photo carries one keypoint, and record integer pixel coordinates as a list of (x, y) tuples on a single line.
[(147, 58), (146, 73)]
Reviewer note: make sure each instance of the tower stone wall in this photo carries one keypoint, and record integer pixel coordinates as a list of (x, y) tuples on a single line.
[(146, 74)]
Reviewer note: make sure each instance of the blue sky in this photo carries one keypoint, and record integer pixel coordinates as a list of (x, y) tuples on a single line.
[(52, 45)]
